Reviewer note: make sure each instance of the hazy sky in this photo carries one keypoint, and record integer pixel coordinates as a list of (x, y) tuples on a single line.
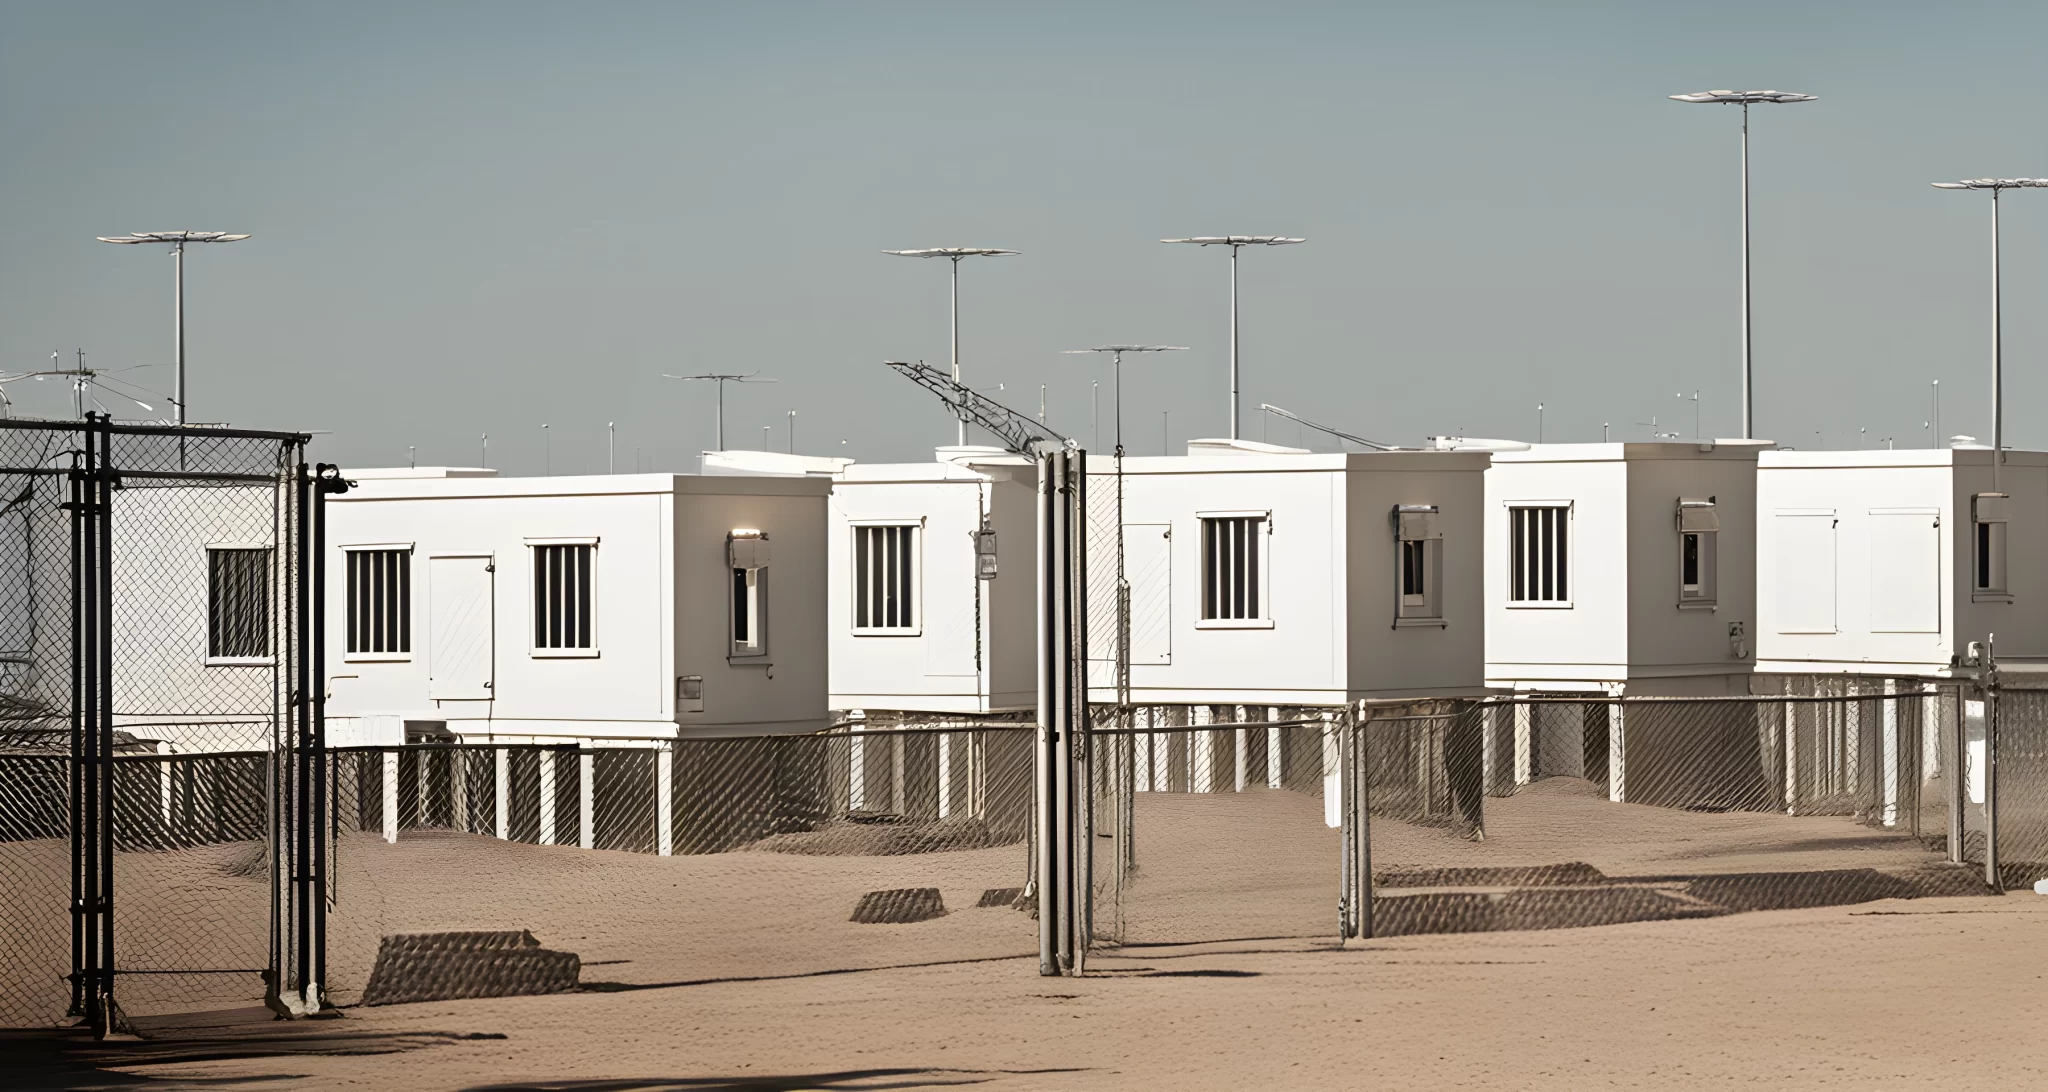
[(479, 218)]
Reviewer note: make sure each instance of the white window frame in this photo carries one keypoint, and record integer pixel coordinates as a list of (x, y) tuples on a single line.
[(376, 548), (1262, 577), (1420, 533), (1701, 519), (759, 598), (533, 648), (917, 604), (1571, 560), (271, 615), (1991, 524)]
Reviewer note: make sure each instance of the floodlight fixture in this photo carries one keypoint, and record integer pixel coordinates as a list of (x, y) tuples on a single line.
[(1745, 99), (722, 379), (1235, 243), (177, 241), (1997, 186), (1117, 362), (954, 254)]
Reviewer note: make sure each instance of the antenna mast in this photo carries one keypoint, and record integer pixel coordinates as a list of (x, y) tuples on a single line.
[(1018, 431)]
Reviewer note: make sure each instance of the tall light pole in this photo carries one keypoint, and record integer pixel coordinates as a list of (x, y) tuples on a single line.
[(1539, 422), (1235, 242), (792, 432), (1695, 412), (547, 448), (1934, 422), (954, 253), (1996, 186), (1745, 99), (177, 239), (722, 380)]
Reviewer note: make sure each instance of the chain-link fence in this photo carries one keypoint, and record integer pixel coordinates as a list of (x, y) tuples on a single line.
[(656, 861), (153, 642)]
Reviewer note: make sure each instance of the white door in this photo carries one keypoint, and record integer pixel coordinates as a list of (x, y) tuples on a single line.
[(1806, 572), (1905, 570), (1148, 564), (460, 639)]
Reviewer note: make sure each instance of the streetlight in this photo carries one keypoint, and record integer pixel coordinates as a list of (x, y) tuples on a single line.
[(177, 239), (1117, 390), (547, 447), (1996, 186), (1744, 99), (1234, 242), (611, 448), (954, 253), (1539, 422), (792, 432), (721, 380)]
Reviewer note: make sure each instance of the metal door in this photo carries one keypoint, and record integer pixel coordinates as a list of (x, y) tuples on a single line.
[(461, 640)]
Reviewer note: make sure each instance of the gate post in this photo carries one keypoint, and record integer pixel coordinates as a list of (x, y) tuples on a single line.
[(1354, 904), (1062, 704)]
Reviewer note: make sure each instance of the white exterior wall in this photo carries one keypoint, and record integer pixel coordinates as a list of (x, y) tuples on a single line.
[(661, 599), (1623, 630), (1582, 646), (1328, 578), (973, 649), (1890, 617)]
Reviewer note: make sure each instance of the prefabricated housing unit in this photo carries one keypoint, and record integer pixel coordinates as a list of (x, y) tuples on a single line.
[(933, 578), (1622, 568), (574, 608), (1889, 563), (1267, 576)]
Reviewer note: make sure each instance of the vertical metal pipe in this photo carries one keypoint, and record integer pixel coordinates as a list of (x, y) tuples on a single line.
[(103, 580), (1991, 718), (1958, 792), (80, 553), (1044, 762), (1997, 355), (1233, 341), (178, 322), (1748, 401), (954, 300), (316, 596)]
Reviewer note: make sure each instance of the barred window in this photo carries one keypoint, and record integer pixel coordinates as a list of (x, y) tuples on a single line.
[(746, 610), (1539, 551), (379, 601), (1230, 567), (562, 597), (238, 603), (885, 574)]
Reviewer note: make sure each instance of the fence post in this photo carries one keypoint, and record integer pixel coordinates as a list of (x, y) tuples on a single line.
[(1958, 787), (945, 774), (1993, 713), (665, 800), (1355, 902), (390, 794), (547, 796), (586, 798)]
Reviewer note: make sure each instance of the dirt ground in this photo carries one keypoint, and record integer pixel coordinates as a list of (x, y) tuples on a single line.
[(1934, 993)]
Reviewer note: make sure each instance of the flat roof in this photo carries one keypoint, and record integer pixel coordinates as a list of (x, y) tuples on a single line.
[(1632, 451), (1940, 456), (1298, 463), (585, 485)]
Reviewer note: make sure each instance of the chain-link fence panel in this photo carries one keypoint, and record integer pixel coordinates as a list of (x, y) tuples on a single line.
[(1213, 823), (638, 862), (2022, 788), (149, 613), (1608, 810)]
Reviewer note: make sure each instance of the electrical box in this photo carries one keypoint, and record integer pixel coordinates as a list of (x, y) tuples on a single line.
[(690, 694), (985, 554)]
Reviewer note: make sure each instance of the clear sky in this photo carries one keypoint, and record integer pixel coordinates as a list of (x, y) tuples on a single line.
[(477, 218)]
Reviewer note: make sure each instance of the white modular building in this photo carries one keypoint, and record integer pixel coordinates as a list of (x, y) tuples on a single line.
[(1269, 576), (933, 578), (1889, 563), (461, 604), (1622, 568)]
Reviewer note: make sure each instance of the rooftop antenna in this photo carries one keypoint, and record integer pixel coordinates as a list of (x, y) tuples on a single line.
[(1934, 424), (1695, 412), (722, 379), (1235, 242), (84, 379), (1651, 424), (177, 240), (484, 461), (1340, 434), (1539, 422), (954, 254)]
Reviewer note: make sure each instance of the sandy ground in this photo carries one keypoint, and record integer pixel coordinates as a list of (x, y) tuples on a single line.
[(1262, 864), (1259, 864), (1922, 994)]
